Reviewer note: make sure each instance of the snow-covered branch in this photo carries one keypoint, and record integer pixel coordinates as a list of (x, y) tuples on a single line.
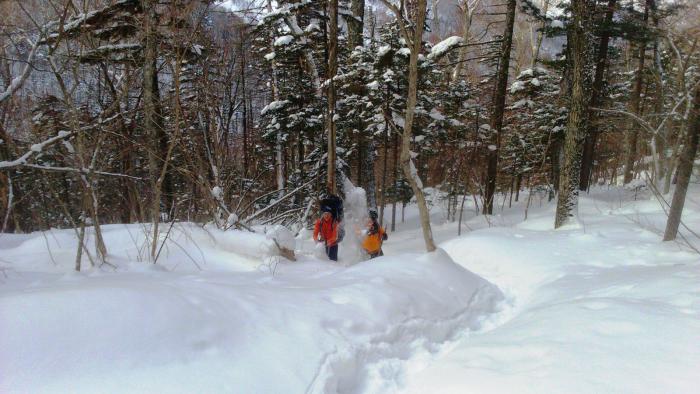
[(34, 150), (17, 82), (279, 200), (82, 171)]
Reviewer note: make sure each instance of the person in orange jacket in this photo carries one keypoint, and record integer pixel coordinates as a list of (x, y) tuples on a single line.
[(375, 236), (326, 230)]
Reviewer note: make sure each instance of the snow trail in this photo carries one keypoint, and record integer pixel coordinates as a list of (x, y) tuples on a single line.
[(607, 306)]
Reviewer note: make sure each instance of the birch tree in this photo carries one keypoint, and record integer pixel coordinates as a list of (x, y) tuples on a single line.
[(412, 32)]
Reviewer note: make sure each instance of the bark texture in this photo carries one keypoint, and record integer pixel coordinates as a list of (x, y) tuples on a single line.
[(579, 50), (407, 165), (332, 69), (499, 101)]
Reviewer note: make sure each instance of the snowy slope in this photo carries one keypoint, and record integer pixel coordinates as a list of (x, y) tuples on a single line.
[(313, 326), (607, 308)]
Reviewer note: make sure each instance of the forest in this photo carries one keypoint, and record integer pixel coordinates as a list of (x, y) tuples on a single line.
[(209, 112)]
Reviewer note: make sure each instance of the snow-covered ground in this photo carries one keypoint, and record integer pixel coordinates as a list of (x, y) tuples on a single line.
[(604, 308)]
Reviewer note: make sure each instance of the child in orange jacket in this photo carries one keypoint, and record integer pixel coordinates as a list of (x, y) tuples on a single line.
[(375, 237)]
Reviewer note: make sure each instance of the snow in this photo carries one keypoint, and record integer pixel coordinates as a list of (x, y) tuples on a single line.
[(444, 46), (274, 106), (313, 26), (238, 325), (524, 102), (436, 115), (603, 308), (526, 73), (398, 119), (557, 24), (383, 50), (283, 40), (517, 86), (217, 192), (282, 235)]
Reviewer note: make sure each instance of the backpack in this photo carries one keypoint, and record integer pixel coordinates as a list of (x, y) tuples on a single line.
[(334, 205)]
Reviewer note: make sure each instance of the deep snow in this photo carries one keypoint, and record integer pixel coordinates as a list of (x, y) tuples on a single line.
[(606, 307), (245, 323)]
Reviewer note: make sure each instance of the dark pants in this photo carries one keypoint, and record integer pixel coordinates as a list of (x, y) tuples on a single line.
[(332, 252), (376, 254)]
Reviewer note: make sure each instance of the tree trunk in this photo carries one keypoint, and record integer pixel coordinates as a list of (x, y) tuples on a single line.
[(631, 136), (245, 106), (579, 36), (596, 100), (409, 169), (150, 112), (368, 176), (356, 24), (436, 18), (498, 104), (685, 170), (332, 69), (466, 25), (384, 170), (659, 139), (395, 177), (540, 36)]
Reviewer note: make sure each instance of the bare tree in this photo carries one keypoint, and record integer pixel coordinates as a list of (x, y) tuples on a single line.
[(412, 32), (685, 170), (497, 106), (631, 137)]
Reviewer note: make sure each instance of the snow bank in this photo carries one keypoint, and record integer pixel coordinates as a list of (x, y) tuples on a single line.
[(185, 247), (607, 308), (314, 326)]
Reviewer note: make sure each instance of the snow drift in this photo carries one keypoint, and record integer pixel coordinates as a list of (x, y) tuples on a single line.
[(233, 326)]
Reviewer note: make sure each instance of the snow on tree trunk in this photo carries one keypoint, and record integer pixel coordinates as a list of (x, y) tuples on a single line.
[(579, 51)]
